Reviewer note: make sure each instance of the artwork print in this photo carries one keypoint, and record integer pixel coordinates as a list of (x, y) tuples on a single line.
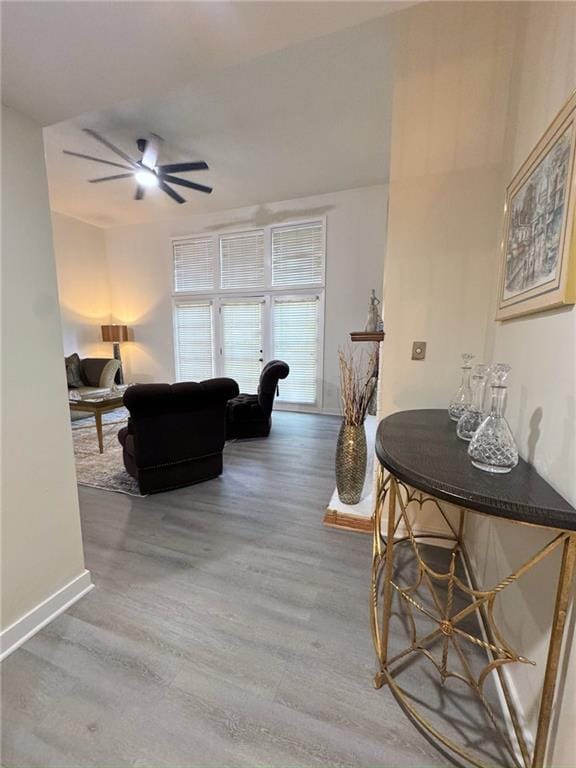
[(538, 253), (536, 219)]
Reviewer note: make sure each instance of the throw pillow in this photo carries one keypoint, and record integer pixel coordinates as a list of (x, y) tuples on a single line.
[(73, 371), (109, 373)]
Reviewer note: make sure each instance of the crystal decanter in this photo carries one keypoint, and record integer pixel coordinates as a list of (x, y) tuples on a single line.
[(493, 448), (463, 397), (473, 416)]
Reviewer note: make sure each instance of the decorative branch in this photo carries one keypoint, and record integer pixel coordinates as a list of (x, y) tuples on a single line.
[(357, 384)]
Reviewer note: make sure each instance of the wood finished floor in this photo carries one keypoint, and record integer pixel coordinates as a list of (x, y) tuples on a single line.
[(228, 627)]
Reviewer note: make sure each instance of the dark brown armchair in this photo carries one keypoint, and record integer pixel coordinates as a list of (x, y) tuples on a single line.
[(251, 415), (175, 433)]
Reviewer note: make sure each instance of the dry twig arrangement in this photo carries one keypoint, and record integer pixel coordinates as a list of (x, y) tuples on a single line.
[(357, 384)]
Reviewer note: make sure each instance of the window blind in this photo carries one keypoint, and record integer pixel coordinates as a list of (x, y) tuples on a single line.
[(298, 255), (295, 331), (194, 340), (193, 264), (242, 260), (242, 342)]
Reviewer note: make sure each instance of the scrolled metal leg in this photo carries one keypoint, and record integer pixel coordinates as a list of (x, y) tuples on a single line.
[(448, 622), (380, 634), (554, 648)]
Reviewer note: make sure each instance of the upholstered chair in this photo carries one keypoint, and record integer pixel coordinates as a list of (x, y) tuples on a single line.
[(175, 433), (251, 415)]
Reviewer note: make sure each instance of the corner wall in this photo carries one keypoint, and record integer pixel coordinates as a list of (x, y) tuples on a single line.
[(83, 288), (476, 85), (453, 64), (542, 396), (42, 556)]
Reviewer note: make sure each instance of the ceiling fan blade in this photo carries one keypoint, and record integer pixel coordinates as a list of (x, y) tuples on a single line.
[(111, 178), (186, 183), (150, 154), (111, 147), (139, 192), (170, 192), (95, 159), (180, 167)]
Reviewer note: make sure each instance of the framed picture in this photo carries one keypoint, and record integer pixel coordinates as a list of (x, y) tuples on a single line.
[(538, 268)]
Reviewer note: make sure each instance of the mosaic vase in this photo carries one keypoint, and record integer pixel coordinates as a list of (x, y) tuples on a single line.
[(351, 457)]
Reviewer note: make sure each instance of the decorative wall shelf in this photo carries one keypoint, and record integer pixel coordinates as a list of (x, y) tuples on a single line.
[(367, 335)]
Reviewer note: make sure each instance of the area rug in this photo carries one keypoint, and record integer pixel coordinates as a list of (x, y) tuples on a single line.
[(102, 470)]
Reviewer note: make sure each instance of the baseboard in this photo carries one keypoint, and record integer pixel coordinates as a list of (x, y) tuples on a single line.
[(341, 520), (26, 627)]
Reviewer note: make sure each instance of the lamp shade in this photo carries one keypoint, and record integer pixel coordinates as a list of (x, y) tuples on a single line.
[(114, 333)]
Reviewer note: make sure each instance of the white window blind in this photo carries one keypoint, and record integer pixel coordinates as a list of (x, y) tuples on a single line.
[(193, 264), (242, 260), (295, 331), (242, 342), (194, 340), (298, 255)]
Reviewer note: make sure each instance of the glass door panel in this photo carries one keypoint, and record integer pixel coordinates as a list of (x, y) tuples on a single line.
[(241, 341)]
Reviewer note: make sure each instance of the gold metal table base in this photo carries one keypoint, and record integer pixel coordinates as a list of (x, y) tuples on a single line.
[(449, 622)]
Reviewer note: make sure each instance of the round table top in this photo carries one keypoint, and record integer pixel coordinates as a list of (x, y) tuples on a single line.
[(421, 448)]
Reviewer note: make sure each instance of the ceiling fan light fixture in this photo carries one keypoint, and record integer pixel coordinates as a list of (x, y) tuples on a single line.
[(146, 172), (146, 178)]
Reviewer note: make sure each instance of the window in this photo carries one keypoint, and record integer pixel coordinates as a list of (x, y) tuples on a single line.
[(241, 299), (193, 265), (298, 255), (194, 340), (242, 260)]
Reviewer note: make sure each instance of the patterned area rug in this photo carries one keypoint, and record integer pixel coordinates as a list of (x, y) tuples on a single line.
[(102, 470)]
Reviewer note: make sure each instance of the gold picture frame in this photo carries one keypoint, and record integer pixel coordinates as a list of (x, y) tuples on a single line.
[(538, 263)]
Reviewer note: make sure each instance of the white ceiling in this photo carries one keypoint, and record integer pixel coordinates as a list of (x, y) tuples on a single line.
[(63, 58), (310, 119), (282, 99)]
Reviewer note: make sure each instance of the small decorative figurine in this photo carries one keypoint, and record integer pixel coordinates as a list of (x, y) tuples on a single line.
[(374, 321)]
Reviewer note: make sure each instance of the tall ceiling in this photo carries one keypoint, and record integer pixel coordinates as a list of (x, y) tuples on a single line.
[(281, 99)]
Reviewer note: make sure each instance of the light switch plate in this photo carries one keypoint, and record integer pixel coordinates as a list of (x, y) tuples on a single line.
[(418, 350)]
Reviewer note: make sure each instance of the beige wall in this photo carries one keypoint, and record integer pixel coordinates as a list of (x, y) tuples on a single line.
[(452, 68), (42, 547), (140, 261), (476, 85), (83, 288), (542, 397)]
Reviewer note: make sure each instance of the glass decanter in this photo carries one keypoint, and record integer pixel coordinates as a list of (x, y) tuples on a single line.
[(473, 416), (493, 448), (463, 397)]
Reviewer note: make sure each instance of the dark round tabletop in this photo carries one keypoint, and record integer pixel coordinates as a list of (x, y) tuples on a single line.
[(421, 448)]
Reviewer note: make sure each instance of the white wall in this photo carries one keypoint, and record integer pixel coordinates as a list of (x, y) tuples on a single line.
[(452, 68), (42, 546), (139, 263), (83, 287), (542, 397), (476, 84)]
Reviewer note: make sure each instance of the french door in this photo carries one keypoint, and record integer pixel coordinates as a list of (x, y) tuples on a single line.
[(241, 336), (234, 336)]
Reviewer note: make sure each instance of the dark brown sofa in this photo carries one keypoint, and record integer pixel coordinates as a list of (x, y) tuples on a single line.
[(175, 433)]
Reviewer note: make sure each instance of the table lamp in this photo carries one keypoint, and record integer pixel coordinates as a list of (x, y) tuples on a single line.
[(116, 334)]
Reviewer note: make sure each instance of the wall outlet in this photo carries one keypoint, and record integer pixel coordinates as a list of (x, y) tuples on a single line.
[(418, 350)]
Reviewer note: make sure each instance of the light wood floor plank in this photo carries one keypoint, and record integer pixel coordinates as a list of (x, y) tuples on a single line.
[(228, 627)]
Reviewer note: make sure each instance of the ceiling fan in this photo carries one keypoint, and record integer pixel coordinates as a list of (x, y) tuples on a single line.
[(145, 171)]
